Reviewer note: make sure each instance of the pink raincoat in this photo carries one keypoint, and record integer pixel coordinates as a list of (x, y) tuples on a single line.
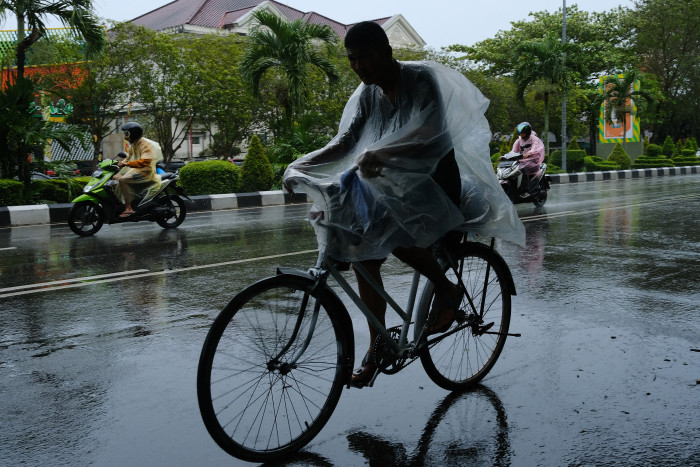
[(531, 164)]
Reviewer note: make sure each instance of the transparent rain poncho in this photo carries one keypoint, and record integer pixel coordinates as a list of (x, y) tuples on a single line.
[(436, 109)]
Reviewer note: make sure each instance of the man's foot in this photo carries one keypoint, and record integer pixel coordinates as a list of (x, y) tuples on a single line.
[(363, 375), (444, 311), (126, 213)]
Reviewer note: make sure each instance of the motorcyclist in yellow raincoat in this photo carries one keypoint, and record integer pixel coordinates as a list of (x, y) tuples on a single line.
[(138, 175)]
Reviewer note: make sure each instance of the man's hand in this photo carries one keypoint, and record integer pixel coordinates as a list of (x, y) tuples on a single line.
[(370, 166), (121, 164)]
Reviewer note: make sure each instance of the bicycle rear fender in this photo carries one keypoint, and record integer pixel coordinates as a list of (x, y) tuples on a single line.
[(334, 301)]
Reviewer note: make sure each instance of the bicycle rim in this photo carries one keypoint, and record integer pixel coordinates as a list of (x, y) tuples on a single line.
[(255, 408), (463, 358)]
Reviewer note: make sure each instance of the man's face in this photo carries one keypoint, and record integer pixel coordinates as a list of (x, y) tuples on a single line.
[(372, 65)]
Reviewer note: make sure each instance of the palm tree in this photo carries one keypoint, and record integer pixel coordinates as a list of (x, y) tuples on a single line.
[(31, 23), (548, 65), (291, 49), (618, 92)]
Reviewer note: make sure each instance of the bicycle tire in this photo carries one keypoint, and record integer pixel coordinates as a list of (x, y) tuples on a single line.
[(462, 359), (252, 409), (180, 212)]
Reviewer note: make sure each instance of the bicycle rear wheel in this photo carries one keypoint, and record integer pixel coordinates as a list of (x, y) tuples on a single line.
[(259, 401), (462, 358)]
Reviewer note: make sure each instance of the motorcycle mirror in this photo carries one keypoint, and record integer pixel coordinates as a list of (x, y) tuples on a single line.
[(121, 155)]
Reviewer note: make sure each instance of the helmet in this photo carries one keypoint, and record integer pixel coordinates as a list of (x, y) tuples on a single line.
[(524, 127), (132, 131)]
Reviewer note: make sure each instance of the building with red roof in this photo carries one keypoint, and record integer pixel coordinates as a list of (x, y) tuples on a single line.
[(235, 17)]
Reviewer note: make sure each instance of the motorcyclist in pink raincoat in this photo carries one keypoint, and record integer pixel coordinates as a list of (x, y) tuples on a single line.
[(532, 156)]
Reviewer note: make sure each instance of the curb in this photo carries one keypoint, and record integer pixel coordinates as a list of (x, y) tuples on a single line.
[(12, 216)]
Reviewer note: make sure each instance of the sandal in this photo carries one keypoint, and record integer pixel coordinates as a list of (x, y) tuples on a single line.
[(443, 313), (362, 376)]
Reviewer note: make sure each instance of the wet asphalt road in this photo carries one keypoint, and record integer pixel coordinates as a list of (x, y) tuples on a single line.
[(100, 337)]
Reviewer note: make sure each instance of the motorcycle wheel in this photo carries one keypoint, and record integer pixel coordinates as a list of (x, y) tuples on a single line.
[(540, 199), (85, 218), (180, 212)]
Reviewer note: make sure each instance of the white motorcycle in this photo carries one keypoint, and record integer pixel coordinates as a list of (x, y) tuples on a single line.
[(512, 179)]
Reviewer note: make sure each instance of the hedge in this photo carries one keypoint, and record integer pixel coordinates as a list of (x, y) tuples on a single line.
[(210, 178), (574, 159), (687, 157), (11, 193), (649, 162), (597, 164)]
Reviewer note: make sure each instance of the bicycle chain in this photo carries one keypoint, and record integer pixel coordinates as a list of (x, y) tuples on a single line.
[(385, 361)]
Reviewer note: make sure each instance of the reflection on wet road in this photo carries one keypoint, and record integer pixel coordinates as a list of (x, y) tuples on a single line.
[(101, 336)]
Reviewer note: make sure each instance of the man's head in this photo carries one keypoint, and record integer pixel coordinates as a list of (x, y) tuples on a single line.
[(524, 130), (132, 132), (369, 52)]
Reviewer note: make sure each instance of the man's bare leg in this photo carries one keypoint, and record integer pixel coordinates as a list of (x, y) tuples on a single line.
[(423, 260), (376, 305), (127, 197)]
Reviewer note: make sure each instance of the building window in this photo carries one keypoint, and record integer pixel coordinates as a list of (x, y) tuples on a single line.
[(195, 140)]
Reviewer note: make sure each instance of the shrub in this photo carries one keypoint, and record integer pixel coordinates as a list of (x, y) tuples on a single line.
[(653, 150), (11, 193), (553, 169), (668, 147), (597, 164), (277, 173), (649, 162), (687, 157), (574, 159), (620, 157), (256, 173), (573, 145), (210, 178)]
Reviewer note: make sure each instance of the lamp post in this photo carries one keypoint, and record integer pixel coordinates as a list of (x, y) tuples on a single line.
[(563, 94)]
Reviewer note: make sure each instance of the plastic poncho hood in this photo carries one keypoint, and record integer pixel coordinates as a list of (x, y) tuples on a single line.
[(436, 109)]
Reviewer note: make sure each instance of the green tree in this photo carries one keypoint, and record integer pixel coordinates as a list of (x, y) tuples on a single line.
[(256, 172), (604, 36), (31, 18), (666, 45), (103, 92), (225, 105), (23, 133), (291, 50), (547, 64), (162, 82), (618, 95)]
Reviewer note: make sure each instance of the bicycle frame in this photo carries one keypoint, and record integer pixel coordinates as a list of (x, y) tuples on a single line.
[(403, 348)]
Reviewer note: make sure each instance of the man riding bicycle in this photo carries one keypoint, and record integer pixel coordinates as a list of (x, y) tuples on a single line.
[(409, 165)]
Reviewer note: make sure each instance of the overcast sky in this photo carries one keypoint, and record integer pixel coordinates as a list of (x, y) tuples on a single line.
[(439, 22)]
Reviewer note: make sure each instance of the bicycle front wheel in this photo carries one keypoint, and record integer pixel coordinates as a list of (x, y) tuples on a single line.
[(462, 358), (272, 368)]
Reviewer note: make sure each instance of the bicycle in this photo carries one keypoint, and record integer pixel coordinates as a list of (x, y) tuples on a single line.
[(275, 360)]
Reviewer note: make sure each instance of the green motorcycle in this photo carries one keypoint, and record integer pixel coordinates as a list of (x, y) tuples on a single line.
[(98, 204)]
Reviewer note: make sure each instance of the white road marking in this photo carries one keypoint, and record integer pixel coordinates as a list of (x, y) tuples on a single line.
[(89, 281)]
